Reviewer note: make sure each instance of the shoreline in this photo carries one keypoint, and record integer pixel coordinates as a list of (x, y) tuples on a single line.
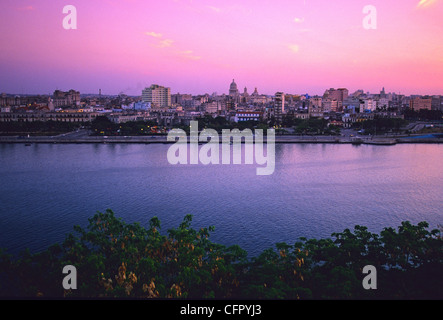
[(163, 140)]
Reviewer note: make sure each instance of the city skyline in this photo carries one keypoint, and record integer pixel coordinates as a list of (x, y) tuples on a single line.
[(197, 47), (226, 93)]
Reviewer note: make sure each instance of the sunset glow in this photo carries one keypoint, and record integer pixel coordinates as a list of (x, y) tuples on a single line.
[(199, 46)]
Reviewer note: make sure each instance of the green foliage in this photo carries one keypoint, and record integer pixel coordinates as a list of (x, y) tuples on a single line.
[(220, 123), (423, 114), (119, 260), (103, 126), (381, 125), (314, 126), (37, 127)]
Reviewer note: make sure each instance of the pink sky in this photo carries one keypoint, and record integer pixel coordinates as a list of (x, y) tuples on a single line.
[(199, 46)]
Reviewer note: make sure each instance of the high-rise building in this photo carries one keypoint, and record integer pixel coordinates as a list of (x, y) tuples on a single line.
[(279, 106), (157, 95)]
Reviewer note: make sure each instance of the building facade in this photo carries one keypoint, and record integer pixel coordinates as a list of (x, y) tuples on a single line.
[(420, 103), (233, 89), (279, 106), (157, 96), (70, 98)]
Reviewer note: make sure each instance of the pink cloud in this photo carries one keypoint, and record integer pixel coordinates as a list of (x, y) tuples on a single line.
[(282, 45)]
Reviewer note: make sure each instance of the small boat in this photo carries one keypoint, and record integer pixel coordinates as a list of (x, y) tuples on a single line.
[(382, 142)]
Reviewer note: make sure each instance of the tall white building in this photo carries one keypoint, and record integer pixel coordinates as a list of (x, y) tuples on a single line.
[(279, 106), (157, 96)]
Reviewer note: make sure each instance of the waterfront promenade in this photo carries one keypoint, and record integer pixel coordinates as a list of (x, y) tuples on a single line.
[(82, 137)]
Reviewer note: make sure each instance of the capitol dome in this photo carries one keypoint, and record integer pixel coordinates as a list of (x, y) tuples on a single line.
[(233, 90)]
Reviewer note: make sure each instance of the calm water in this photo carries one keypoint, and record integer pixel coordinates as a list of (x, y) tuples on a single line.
[(316, 190)]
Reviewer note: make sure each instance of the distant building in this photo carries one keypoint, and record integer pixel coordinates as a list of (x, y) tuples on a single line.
[(358, 93), (340, 94), (352, 103), (213, 107), (315, 104), (279, 106), (142, 106), (370, 105), (71, 116), (437, 103), (245, 96), (348, 120), (9, 101), (233, 90), (383, 103), (418, 103), (157, 95), (66, 99), (248, 116), (331, 105), (180, 98)]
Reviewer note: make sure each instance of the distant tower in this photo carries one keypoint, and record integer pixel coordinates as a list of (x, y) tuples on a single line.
[(279, 107), (245, 98)]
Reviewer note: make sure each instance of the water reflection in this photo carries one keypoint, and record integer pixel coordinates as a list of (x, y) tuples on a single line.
[(316, 189)]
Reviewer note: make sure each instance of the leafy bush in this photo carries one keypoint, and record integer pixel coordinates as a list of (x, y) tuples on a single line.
[(119, 260)]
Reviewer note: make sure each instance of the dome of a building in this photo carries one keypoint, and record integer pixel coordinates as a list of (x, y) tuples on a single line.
[(233, 85), (233, 90)]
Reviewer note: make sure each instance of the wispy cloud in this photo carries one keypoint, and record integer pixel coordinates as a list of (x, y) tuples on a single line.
[(165, 43), (154, 34), (425, 3), (189, 54), (215, 9), (161, 42), (299, 20)]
